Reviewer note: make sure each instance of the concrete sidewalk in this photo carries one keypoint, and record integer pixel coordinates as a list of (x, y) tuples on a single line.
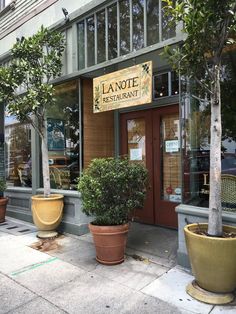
[(62, 276)]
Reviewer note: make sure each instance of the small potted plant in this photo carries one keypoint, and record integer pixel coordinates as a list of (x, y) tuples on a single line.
[(110, 189), (3, 200)]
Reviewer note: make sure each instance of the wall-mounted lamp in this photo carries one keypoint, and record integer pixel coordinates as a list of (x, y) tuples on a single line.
[(65, 12)]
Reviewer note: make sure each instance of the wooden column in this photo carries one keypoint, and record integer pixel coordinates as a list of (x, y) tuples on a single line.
[(98, 128)]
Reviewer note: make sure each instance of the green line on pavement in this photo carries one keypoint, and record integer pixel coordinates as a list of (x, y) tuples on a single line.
[(25, 269)]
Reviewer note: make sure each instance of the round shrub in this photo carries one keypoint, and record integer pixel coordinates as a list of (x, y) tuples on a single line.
[(111, 188)]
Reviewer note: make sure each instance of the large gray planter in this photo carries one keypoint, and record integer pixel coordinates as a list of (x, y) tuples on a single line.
[(191, 214)]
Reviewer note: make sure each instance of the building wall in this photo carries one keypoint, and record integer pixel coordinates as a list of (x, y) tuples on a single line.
[(29, 15), (98, 130)]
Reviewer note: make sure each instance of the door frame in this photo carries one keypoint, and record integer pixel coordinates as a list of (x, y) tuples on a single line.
[(153, 148)]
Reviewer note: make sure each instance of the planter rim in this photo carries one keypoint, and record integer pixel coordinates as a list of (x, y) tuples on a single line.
[(49, 198), (188, 227), (127, 223)]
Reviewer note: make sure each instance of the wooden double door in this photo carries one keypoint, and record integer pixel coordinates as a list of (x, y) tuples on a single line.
[(152, 137)]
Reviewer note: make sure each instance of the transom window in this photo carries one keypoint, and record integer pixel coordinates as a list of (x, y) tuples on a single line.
[(121, 27), (165, 84)]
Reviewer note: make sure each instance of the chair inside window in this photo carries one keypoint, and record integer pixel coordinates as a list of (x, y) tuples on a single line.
[(228, 192), (60, 178)]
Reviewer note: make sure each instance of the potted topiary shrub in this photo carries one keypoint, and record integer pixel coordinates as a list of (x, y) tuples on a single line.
[(110, 189), (3, 200), (35, 61), (209, 28)]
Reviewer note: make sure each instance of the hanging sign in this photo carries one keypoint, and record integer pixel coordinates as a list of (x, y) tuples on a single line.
[(129, 87)]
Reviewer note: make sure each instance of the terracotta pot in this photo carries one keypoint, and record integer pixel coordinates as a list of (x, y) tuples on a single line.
[(110, 243), (213, 260), (47, 211), (3, 207)]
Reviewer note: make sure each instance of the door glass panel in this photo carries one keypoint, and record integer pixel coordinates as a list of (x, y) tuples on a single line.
[(136, 139), (170, 158)]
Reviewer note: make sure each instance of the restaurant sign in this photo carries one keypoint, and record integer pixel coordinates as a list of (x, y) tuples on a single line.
[(125, 88)]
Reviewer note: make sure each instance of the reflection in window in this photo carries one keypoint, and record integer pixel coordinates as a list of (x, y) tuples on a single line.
[(168, 31), (196, 136), (138, 24), (152, 22), (136, 140), (124, 27), (63, 137), (143, 12), (90, 41), (18, 152), (81, 50), (112, 32), (174, 83), (161, 85), (101, 38), (170, 160)]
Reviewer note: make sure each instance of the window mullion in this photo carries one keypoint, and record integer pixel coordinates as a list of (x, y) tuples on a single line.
[(131, 25), (145, 23)]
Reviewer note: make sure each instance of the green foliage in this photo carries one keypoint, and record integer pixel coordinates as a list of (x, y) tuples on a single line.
[(2, 186), (35, 61), (111, 188), (209, 26)]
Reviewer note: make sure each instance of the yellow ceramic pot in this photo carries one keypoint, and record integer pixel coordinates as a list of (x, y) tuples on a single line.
[(213, 260), (47, 211)]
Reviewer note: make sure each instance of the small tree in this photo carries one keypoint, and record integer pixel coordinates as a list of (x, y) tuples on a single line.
[(35, 62), (210, 26)]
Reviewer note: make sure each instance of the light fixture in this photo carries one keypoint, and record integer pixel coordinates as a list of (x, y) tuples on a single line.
[(65, 12)]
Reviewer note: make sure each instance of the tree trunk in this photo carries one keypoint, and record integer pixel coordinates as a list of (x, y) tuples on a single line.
[(45, 164), (215, 210)]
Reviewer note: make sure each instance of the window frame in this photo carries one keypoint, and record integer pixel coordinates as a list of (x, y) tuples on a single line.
[(131, 50)]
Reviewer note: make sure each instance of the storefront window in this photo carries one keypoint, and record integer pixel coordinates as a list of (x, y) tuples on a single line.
[(90, 41), (152, 22), (138, 24), (196, 135), (81, 50), (124, 27), (161, 85), (112, 32), (114, 22), (17, 152), (101, 37), (63, 137), (168, 30)]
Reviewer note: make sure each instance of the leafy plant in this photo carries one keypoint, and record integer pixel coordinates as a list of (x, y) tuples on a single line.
[(35, 61), (209, 26), (111, 188), (2, 186)]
